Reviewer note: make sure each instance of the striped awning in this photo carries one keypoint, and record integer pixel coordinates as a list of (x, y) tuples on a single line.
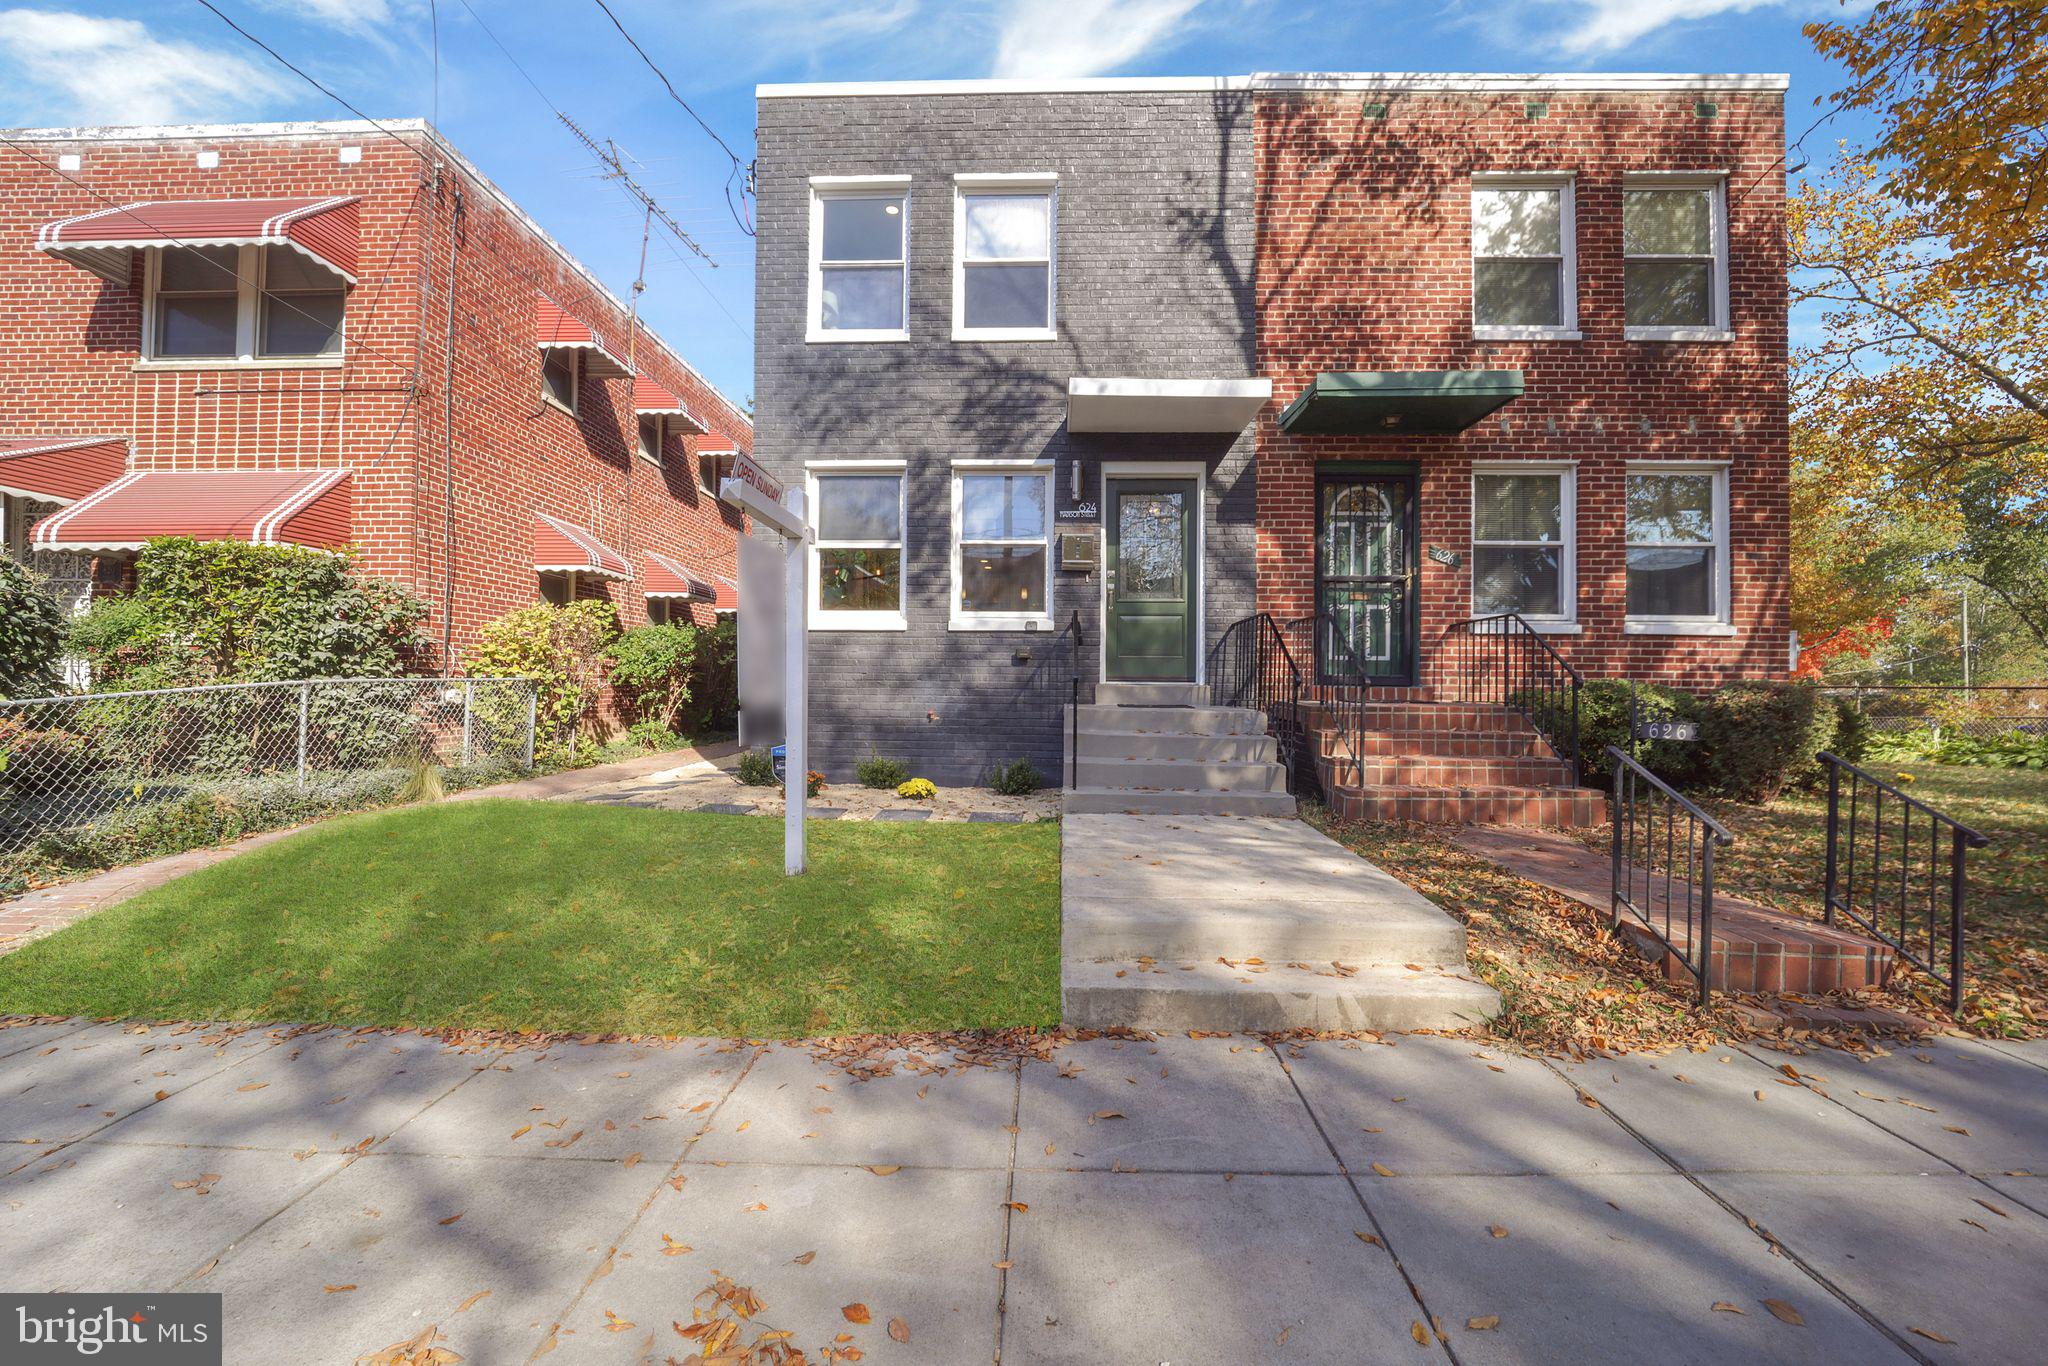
[(60, 469), (652, 398), (726, 597), (556, 327), (667, 577), (561, 547), (257, 507), (104, 242)]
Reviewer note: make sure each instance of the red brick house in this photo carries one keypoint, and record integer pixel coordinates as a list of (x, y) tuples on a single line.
[(335, 334)]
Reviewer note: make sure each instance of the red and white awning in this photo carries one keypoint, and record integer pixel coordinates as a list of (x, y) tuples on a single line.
[(104, 242), (557, 327), (668, 578), (257, 507), (727, 595), (652, 398), (60, 469), (723, 459), (561, 547)]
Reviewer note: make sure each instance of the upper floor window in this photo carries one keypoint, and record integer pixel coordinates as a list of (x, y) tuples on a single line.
[(858, 279), (1524, 271), (242, 304), (1674, 236), (1522, 541), (1677, 546), (651, 438), (1004, 229), (559, 373)]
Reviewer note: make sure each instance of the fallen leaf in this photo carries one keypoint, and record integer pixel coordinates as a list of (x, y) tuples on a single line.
[(522, 1130), (253, 1086), (471, 1302), (614, 1324), (671, 1248), (756, 1208), (856, 1313), (632, 1160), (1722, 1306), (1485, 1323), (1382, 1169), (805, 1258), (453, 1217), (1497, 1231), (163, 1095), (1017, 1205), (1371, 1238), (339, 1289), (1930, 1335), (1002, 1266), (1109, 1114), (1784, 1313), (889, 1170), (1980, 1200), (1419, 1333), (899, 1330)]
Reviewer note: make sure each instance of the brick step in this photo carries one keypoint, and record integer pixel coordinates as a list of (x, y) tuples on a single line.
[(1431, 716), (1318, 695), (1553, 808), (1435, 770), (1470, 744)]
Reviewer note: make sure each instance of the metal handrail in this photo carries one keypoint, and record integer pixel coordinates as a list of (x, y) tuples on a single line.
[(1536, 656), (1835, 899), (1703, 836), (1252, 666), (1073, 774)]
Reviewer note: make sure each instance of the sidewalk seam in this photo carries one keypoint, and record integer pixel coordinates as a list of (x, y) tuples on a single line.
[(1009, 1195)]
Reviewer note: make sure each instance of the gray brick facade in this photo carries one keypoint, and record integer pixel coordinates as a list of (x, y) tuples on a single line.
[(1155, 246)]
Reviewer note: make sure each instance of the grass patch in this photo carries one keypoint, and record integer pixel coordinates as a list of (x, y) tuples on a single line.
[(552, 916), (1780, 854)]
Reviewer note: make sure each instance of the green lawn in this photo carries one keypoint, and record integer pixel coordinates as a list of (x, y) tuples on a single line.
[(560, 916), (1780, 853)]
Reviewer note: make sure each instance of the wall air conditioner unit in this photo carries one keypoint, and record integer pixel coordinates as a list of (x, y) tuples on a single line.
[(1081, 550)]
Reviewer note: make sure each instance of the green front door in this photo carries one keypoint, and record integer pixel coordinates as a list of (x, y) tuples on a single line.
[(1149, 572)]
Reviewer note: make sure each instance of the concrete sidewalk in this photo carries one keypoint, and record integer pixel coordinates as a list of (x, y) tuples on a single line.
[(1180, 1200)]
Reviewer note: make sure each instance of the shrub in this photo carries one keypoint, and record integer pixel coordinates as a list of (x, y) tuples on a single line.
[(42, 762), (879, 773), (653, 735), (757, 768), (814, 783), (1852, 731), (2013, 750), (1604, 721), (715, 678), (1757, 738), (918, 789), (650, 665), (562, 650), (31, 633), (1020, 778)]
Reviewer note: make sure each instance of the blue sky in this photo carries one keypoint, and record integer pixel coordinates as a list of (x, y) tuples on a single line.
[(172, 61)]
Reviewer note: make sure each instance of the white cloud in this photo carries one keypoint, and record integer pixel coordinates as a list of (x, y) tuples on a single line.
[(348, 14), (82, 68), (1054, 38), (1611, 25)]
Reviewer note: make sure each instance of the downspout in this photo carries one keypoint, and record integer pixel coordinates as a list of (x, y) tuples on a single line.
[(448, 453)]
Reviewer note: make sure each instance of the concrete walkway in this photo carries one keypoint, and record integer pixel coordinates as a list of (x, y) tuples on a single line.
[(1184, 1200)]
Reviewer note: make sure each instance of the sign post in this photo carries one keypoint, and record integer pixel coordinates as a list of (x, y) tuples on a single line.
[(761, 496)]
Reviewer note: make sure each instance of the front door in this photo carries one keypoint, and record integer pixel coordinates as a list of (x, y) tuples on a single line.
[(1149, 579), (1365, 570)]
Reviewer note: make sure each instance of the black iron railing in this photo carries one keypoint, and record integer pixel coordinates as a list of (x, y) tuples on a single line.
[(1073, 774), (1503, 661), (1663, 855), (1251, 665), (1895, 868)]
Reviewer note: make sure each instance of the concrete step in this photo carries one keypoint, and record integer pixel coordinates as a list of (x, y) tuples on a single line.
[(1552, 808), (1136, 720), (1193, 775), (1152, 694), (1238, 922), (1210, 996), (1173, 802), (1112, 744)]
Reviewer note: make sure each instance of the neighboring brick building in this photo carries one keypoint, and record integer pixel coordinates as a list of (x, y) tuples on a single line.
[(198, 309), (1500, 344)]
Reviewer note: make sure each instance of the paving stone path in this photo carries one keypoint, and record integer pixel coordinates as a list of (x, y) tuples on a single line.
[(1179, 1200)]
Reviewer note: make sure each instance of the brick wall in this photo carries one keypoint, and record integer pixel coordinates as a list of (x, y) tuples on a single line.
[(1364, 264), (1154, 279), (73, 344)]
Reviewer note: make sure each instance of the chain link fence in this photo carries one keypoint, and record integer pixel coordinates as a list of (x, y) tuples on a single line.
[(1981, 713), (94, 779)]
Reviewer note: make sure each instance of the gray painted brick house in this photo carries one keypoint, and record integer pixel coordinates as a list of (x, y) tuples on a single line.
[(989, 324)]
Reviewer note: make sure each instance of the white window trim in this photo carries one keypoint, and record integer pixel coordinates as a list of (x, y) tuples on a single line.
[(1564, 622), (1019, 183), (575, 402), (1720, 621), (824, 187), (821, 620), (251, 264), (958, 620), (1720, 329), (1566, 184)]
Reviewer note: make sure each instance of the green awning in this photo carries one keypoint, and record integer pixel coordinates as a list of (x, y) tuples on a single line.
[(1385, 402)]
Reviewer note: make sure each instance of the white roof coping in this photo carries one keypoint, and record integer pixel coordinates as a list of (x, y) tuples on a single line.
[(1419, 82), (1123, 404)]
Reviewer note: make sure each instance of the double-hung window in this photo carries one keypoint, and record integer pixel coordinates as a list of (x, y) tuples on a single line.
[(1524, 267), (1002, 548), (559, 373), (651, 437), (1523, 542), (857, 559), (1004, 231), (242, 304), (859, 231), (1674, 241), (1677, 548)]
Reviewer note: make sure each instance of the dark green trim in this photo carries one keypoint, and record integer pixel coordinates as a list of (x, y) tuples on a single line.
[(1398, 402)]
